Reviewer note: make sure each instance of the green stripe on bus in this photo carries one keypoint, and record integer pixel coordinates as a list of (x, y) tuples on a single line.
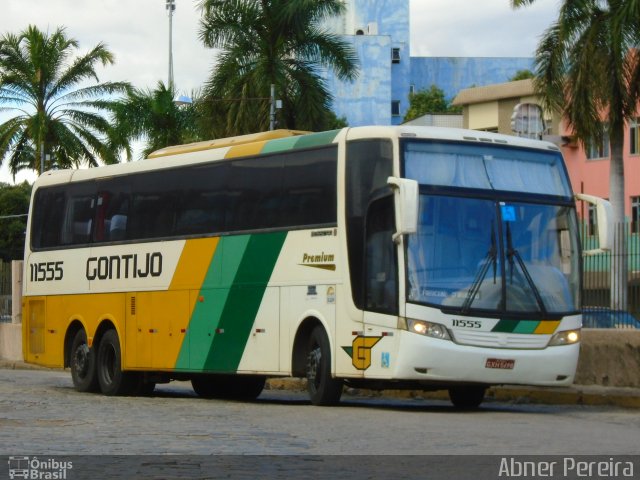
[(214, 293), (516, 326), (316, 139), (243, 301), (526, 326), (280, 145), (505, 326)]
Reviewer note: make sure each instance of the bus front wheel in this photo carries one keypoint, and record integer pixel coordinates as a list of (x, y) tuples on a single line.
[(83, 364), (113, 381), (322, 387), (467, 397)]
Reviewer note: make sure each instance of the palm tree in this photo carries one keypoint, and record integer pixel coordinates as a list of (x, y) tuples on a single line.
[(155, 117), (588, 68), (57, 109), (273, 42)]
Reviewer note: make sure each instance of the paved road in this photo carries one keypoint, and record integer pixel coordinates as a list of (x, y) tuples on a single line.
[(40, 413)]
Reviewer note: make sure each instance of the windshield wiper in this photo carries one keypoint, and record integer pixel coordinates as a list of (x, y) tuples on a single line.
[(513, 253), (491, 258)]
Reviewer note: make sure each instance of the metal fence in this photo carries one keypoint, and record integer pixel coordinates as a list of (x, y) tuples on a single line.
[(5, 291), (597, 294)]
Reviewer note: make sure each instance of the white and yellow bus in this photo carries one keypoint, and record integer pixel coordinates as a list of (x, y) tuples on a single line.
[(377, 257)]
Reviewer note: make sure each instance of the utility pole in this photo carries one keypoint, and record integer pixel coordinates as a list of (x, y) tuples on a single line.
[(171, 7), (272, 109), (274, 105), (41, 158)]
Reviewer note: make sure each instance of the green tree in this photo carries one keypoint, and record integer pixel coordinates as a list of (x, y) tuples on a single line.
[(588, 68), (14, 205), (273, 42), (155, 117), (429, 100), (522, 75), (49, 88)]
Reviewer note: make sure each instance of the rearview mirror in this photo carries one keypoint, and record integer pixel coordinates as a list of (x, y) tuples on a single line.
[(603, 220), (406, 205)]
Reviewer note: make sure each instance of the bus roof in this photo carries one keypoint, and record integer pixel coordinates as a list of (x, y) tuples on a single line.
[(279, 141)]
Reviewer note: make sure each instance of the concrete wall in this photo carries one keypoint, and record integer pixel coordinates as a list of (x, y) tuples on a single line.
[(11, 342), (11, 333), (610, 358)]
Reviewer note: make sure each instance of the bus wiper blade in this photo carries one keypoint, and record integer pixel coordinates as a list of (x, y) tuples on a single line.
[(513, 253), (490, 259)]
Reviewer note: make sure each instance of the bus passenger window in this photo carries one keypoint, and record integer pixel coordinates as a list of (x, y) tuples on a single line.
[(48, 213), (78, 220)]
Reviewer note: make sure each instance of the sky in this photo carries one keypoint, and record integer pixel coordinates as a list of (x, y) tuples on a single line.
[(137, 33)]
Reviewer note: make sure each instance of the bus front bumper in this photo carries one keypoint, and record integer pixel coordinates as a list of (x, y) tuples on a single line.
[(440, 361)]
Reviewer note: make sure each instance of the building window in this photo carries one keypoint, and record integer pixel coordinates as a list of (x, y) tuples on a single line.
[(634, 134), (635, 214), (412, 89), (599, 149), (395, 55), (395, 108)]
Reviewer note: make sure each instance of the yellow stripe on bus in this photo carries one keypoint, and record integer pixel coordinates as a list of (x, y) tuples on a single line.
[(245, 150), (193, 264), (547, 327)]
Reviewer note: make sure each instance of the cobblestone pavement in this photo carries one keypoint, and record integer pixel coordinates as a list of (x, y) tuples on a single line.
[(41, 413)]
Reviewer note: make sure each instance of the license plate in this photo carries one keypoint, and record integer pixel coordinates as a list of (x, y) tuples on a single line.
[(501, 363)]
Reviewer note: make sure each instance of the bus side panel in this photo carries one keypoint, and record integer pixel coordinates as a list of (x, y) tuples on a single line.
[(156, 325), (262, 347), (48, 318), (34, 319)]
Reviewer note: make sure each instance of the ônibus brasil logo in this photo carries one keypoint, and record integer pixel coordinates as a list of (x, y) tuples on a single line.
[(37, 469)]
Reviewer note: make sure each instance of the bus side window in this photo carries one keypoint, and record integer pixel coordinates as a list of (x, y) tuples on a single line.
[(381, 258), (369, 165), (78, 219)]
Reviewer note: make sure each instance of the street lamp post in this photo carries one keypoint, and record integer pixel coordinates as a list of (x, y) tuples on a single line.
[(170, 7)]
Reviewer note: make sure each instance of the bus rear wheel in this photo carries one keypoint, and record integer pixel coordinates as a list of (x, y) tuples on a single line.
[(83, 364), (322, 387), (467, 397), (113, 381), (232, 387)]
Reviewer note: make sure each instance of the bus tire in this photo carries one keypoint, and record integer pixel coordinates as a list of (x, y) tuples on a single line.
[(83, 364), (231, 387), (467, 397), (322, 387), (113, 381)]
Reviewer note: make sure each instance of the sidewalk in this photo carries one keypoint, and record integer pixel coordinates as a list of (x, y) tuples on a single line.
[(594, 395)]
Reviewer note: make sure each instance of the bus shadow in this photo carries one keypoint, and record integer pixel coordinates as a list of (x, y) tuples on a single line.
[(395, 404), (294, 398)]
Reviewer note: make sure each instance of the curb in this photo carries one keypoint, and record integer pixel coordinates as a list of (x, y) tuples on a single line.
[(591, 395)]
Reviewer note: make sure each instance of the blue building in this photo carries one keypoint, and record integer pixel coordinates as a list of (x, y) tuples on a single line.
[(379, 32)]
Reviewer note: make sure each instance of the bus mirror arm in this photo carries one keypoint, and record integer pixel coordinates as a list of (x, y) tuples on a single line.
[(406, 206), (604, 218)]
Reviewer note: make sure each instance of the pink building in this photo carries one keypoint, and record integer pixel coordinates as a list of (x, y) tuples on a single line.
[(490, 108), (589, 168)]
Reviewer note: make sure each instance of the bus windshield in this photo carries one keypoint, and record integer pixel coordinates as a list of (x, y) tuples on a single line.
[(477, 251)]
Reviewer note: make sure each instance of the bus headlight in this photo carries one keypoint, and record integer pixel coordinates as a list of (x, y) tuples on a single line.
[(428, 329), (566, 337)]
